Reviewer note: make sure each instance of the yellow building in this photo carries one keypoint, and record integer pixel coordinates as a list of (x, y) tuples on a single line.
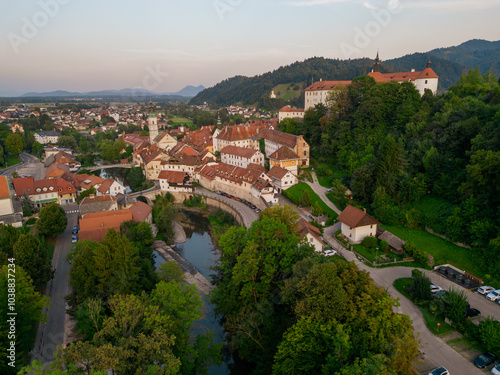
[(286, 159)]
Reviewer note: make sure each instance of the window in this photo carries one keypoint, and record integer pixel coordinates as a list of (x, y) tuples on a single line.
[(426, 82), (305, 153)]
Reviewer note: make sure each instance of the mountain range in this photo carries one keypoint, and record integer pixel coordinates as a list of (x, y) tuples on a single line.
[(188, 91), (448, 63)]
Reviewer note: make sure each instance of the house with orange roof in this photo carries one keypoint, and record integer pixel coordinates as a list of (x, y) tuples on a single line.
[(241, 156), (165, 141), (286, 159), (175, 181), (289, 112), (311, 234), (282, 178), (356, 224), (318, 92), (237, 135), (142, 212), (43, 192), (94, 226), (56, 170), (111, 186), (101, 203), (6, 206), (274, 140)]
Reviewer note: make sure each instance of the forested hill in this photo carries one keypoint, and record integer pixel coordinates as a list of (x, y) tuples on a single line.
[(256, 90), (449, 63), (474, 53)]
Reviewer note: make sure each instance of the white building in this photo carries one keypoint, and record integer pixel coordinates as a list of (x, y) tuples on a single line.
[(241, 156), (357, 224), (311, 234), (111, 186), (238, 135), (175, 182), (47, 137), (289, 112), (282, 178), (318, 92)]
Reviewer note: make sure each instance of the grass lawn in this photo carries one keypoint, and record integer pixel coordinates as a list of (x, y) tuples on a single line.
[(50, 244), (12, 160), (295, 192), (431, 321), (442, 250), (325, 181), (181, 120)]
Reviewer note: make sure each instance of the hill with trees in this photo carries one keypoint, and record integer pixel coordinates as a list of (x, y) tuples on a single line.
[(449, 63)]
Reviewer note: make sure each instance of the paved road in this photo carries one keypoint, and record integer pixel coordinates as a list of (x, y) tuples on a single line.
[(248, 215), (51, 334), (432, 346), (321, 191)]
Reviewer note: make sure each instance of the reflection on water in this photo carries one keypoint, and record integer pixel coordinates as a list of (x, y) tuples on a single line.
[(200, 252), (119, 173)]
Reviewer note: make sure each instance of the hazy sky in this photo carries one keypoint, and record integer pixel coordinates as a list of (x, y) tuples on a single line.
[(164, 45)]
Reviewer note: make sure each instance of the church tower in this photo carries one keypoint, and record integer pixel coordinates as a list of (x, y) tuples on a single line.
[(152, 123), (376, 67)]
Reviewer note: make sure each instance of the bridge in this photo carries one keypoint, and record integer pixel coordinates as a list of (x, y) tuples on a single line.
[(108, 166)]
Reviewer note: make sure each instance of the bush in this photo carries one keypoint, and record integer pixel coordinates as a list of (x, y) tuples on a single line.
[(31, 221), (420, 289), (384, 245), (305, 199), (369, 242), (420, 256)]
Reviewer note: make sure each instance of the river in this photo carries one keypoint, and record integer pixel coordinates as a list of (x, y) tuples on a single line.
[(118, 173), (200, 251)]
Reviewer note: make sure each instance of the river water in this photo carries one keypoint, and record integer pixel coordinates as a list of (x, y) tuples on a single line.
[(200, 251), (118, 173)]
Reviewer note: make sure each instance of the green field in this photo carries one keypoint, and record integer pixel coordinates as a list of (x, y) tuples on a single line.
[(181, 120), (286, 92), (12, 160), (442, 250), (295, 192)]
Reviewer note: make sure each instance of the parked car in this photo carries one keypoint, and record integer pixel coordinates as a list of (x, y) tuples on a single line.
[(485, 359), (471, 312), (439, 371), (329, 190), (496, 370), (493, 296), (440, 293), (222, 193), (74, 238), (218, 192), (257, 210), (435, 288), (485, 289), (75, 230), (330, 253), (229, 196)]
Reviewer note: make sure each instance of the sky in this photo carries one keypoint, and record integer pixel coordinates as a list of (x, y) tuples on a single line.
[(165, 45)]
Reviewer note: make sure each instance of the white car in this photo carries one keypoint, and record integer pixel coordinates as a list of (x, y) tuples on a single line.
[(439, 371), (493, 296), (329, 253), (435, 288), (485, 289), (496, 370)]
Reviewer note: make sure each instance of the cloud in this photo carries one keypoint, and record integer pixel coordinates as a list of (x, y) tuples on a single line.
[(451, 5)]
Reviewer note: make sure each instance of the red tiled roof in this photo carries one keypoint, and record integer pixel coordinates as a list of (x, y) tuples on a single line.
[(354, 217), (64, 187), (172, 177), (239, 151), (403, 76), (24, 184), (281, 138), (304, 227), (140, 211), (326, 85), (95, 225), (238, 132), (56, 170), (277, 172), (104, 187), (100, 198), (283, 153), (4, 187), (287, 108)]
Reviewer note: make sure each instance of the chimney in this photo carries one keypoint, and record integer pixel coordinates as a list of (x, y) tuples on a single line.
[(364, 210), (321, 79), (413, 70), (91, 196)]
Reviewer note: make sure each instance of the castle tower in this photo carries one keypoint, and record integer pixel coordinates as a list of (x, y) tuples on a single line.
[(428, 63), (152, 123)]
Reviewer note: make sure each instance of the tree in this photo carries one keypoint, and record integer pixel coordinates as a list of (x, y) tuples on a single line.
[(489, 333), (282, 213), (67, 141), (420, 289), (2, 156), (28, 305), (305, 199), (14, 144), (455, 305), (8, 238), (52, 220), (37, 148), (86, 193), (33, 258)]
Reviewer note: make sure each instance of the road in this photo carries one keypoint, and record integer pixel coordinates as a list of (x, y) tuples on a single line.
[(321, 192), (432, 347), (30, 166), (51, 334)]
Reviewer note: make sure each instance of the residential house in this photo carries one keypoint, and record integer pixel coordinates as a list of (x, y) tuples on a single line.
[(165, 141), (16, 127), (9, 214), (56, 170), (275, 139), (282, 178), (241, 156), (94, 226), (65, 158), (47, 137), (238, 135), (45, 191), (395, 243), (289, 112), (357, 224), (175, 181), (319, 92), (101, 203), (111, 186), (142, 212), (285, 158), (311, 234)]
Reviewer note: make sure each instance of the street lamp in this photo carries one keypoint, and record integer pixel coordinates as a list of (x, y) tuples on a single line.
[(376, 257)]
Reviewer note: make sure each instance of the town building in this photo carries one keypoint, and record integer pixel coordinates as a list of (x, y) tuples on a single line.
[(237, 135), (357, 224), (311, 234), (241, 156), (111, 186), (318, 92), (175, 181), (47, 137), (275, 139), (289, 112), (285, 158), (10, 213), (43, 192), (282, 178), (94, 203)]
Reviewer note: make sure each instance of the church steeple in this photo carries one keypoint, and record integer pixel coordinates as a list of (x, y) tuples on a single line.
[(219, 122), (428, 63), (376, 67)]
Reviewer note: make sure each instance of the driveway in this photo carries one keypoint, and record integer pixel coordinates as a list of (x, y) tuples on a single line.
[(321, 191)]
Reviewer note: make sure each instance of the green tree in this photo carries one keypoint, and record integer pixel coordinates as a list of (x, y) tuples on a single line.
[(52, 220), (2, 156), (86, 193), (67, 141), (33, 258), (37, 148), (420, 289), (305, 199), (28, 306), (489, 333), (455, 305), (8, 238), (283, 213), (14, 144)]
